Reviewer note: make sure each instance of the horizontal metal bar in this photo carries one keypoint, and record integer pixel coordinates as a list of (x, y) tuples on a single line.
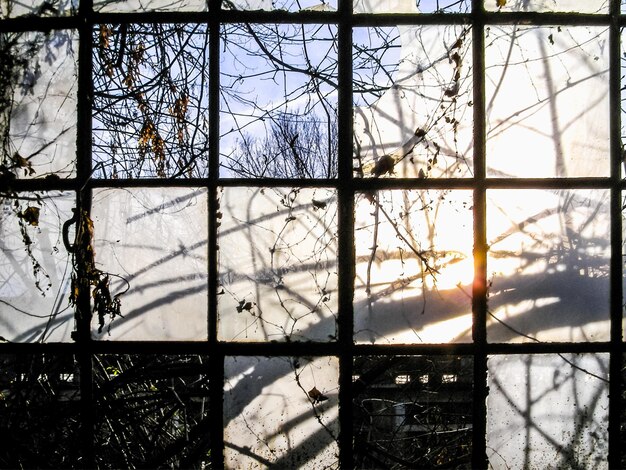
[(39, 23), (364, 184), (331, 348), (357, 184), (41, 184), (225, 17), (550, 183), (495, 17), (549, 348)]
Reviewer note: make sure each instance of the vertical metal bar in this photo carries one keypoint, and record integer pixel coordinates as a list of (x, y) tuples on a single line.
[(216, 379), (346, 266), (216, 355), (479, 290), (83, 205), (615, 406)]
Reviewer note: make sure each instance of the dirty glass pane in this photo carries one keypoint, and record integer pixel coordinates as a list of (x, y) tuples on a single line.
[(35, 267), (277, 264), (43, 8), (548, 265), (548, 411), (578, 6), (141, 6), (150, 107), (39, 416), (281, 412), (152, 411), (414, 267), (547, 101), (412, 411), (279, 101), (287, 5), (412, 96), (412, 6), (38, 88), (152, 244)]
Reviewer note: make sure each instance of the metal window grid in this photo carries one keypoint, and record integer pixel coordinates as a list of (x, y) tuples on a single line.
[(347, 186)]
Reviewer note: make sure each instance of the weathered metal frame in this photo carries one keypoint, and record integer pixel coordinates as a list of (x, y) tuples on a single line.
[(347, 186)]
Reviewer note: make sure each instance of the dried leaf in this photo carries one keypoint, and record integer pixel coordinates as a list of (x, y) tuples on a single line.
[(318, 204), (30, 215), (21, 162), (243, 305), (317, 396), (500, 3), (105, 34), (452, 91), (384, 165)]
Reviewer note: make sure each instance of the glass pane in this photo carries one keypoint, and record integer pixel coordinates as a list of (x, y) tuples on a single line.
[(547, 98), (45, 8), (412, 96), (140, 6), (548, 265), (548, 411), (412, 6), (150, 109), (279, 101), (152, 244), (414, 267), (287, 5), (277, 264), (579, 6), (35, 267), (281, 412), (38, 104), (152, 411), (39, 416), (412, 412)]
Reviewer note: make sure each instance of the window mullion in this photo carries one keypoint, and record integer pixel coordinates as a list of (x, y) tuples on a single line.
[(83, 207), (615, 444), (216, 367), (346, 267), (479, 294)]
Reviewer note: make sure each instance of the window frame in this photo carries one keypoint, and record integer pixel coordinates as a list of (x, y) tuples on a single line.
[(346, 185)]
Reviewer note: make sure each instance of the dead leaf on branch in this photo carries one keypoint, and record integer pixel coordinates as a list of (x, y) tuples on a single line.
[(179, 110), (90, 278), (104, 304), (384, 165), (150, 139), (21, 162), (30, 215), (500, 3), (318, 204), (104, 37), (316, 395), (243, 305)]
